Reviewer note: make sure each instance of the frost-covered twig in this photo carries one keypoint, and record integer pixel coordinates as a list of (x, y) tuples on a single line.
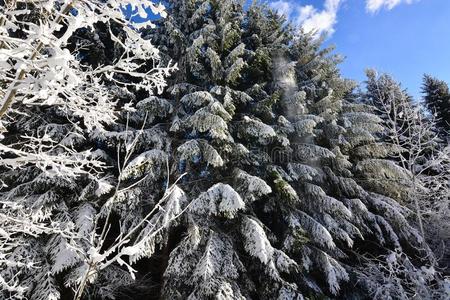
[(37, 67), (99, 258), (422, 153), (42, 71)]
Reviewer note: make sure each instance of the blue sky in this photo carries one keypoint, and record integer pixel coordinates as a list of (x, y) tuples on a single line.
[(405, 38)]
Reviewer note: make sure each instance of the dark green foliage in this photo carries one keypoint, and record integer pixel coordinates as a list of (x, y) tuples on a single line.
[(437, 99), (282, 201)]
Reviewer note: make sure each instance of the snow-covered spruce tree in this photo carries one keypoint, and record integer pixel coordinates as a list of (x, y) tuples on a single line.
[(277, 154), (437, 99), (419, 150), (70, 71)]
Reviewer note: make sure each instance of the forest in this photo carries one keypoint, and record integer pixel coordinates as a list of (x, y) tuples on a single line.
[(213, 151)]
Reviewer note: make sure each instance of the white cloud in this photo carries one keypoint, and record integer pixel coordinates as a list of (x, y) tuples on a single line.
[(282, 7), (320, 21), (375, 5), (308, 17), (323, 21)]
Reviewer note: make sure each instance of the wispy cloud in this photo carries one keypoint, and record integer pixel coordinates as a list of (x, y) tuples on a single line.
[(308, 17), (282, 7), (375, 5), (323, 21)]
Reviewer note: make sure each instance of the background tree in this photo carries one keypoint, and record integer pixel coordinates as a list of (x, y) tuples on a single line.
[(437, 100), (415, 143)]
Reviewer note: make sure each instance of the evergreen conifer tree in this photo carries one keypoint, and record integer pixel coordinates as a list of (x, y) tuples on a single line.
[(286, 182), (437, 99)]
